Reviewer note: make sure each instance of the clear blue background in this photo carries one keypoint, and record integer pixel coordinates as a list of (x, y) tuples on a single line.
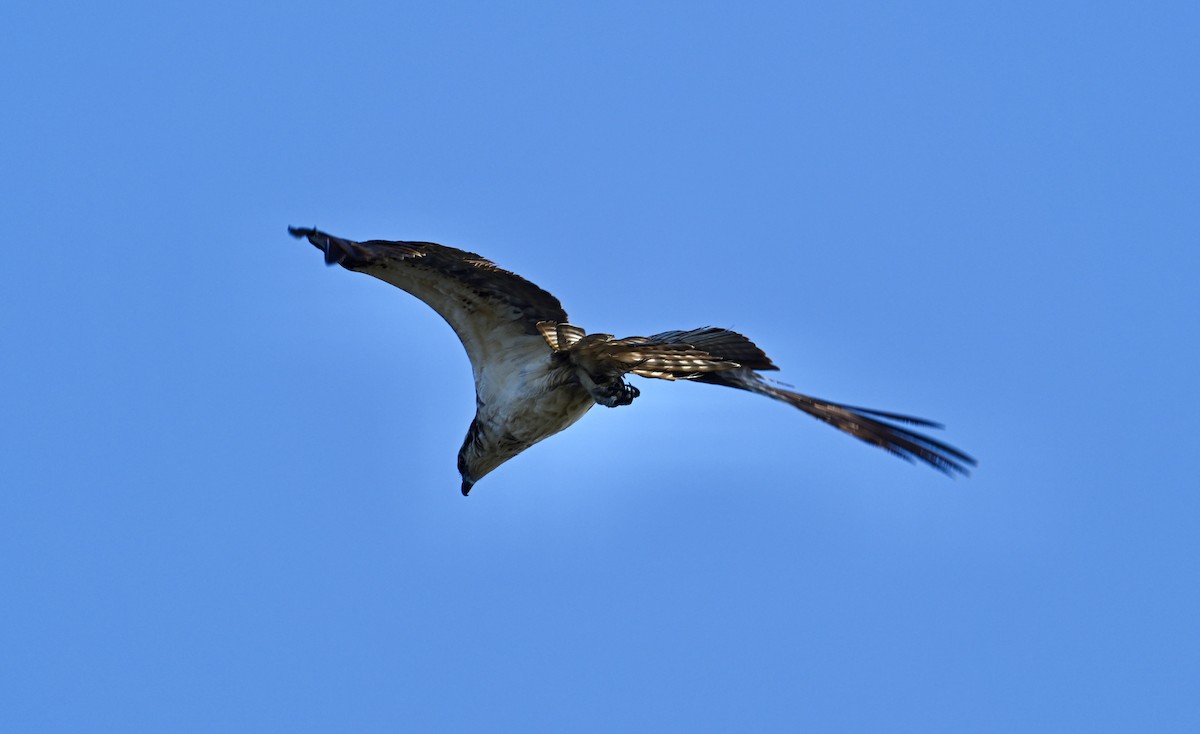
[(229, 491)]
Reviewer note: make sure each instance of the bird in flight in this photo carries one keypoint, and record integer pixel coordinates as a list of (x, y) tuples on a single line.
[(536, 373)]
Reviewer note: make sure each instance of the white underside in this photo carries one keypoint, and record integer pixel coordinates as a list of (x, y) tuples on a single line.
[(523, 395)]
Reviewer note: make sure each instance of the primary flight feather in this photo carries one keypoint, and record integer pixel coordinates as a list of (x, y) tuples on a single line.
[(536, 373)]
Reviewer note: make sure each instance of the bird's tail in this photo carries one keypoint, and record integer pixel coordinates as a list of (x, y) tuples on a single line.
[(862, 423)]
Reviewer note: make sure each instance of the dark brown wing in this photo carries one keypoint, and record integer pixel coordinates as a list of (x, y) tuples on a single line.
[(862, 423), (491, 309), (723, 344), (723, 357), (671, 355)]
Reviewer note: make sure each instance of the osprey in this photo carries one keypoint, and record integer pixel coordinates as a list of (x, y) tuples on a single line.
[(536, 373)]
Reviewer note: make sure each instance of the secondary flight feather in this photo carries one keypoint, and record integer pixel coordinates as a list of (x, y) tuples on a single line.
[(536, 373)]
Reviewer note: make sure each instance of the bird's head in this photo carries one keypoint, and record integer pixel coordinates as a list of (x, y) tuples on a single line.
[(464, 470), (468, 481), (480, 454), (473, 465)]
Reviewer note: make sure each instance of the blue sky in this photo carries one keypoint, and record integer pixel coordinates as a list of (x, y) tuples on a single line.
[(230, 500)]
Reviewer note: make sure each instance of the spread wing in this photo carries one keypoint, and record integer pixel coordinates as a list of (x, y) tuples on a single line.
[(722, 357), (876, 427), (492, 311), (671, 355)]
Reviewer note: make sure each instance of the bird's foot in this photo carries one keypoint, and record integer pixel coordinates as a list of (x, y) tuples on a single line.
[(617, 394)]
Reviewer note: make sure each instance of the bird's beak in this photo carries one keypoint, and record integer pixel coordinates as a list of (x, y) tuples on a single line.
[(466, 487)]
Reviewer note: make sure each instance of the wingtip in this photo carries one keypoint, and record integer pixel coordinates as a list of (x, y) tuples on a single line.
[(337, 252)]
